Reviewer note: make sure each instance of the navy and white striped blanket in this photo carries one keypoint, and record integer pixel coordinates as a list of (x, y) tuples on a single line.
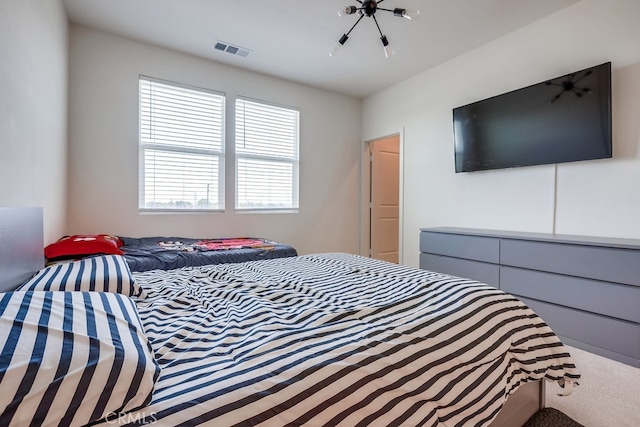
[(337, 340)]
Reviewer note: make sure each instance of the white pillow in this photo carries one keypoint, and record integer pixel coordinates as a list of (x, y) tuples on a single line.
[(69, 358), (105, 273)]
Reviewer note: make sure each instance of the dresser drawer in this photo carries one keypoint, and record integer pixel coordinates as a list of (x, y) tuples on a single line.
[(586, 288), (616, 335), (601, 263), (605, 298), (477, 248), (482, 272)]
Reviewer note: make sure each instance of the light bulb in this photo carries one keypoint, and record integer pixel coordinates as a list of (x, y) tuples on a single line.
[(411, 14), (342, 41), (347, 10), (388, 52)]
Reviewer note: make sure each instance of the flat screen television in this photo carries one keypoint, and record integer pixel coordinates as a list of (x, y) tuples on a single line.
[(565, 119)]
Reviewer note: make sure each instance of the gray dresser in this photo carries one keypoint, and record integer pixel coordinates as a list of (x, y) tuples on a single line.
[(586, 288)]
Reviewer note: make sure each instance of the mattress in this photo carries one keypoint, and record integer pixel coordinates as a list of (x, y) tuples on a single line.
[(336, 339), (166, 253)]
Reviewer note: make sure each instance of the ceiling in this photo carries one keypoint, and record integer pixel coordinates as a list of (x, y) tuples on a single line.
[(291, 39)]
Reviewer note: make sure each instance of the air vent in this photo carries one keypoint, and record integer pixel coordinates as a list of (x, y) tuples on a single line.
[(229, 48)]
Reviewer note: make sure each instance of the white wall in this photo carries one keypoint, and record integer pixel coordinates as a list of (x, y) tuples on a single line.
[(599, 197), (33, 109), (103, 169)]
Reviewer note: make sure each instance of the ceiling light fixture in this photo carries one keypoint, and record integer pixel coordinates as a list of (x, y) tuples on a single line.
[(368, 8)]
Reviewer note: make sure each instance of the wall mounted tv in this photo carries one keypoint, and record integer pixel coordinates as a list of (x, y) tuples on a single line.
[(565, 119)]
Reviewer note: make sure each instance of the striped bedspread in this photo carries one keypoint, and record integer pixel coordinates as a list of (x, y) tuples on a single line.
[(336, 340)]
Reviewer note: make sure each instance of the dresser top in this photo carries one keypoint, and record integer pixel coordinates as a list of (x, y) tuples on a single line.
[(611, 242)]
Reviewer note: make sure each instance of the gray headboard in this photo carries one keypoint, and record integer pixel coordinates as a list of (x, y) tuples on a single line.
[(21, 245)]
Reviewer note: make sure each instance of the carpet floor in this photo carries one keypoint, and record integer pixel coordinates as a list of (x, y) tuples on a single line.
[(550, 417), (608, 394)]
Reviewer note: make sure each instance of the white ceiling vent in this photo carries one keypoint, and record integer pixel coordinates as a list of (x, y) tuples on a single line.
[(229, 48)]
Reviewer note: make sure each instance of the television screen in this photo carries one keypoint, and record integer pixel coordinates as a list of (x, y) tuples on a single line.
[(564, 119)]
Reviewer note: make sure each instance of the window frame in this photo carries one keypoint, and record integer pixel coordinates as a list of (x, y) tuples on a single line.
[(294, 160), (168, 148)]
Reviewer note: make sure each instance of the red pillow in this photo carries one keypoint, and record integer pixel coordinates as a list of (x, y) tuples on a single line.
[(80, 245)]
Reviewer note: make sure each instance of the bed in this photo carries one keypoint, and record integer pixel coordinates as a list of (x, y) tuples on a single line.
[(166, 253), (322, 339)]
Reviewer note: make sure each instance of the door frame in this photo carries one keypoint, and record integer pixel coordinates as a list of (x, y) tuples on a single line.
[(365, 192)]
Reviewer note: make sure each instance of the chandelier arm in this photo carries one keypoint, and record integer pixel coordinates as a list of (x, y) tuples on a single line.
[(354, 25), (376, 21), (359, 1), (386, 10), (583, 76)]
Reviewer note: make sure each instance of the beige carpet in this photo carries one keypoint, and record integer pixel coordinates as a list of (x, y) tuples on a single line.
[(608, 395)]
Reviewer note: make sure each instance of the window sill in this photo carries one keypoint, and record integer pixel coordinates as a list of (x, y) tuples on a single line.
[(266, 211), (179, 211)]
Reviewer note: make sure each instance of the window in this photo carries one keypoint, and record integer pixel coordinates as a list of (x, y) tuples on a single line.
[(267, 140), (181, 147)]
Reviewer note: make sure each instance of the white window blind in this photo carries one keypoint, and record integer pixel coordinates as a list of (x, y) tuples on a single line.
[(267, 145), (181, 147)]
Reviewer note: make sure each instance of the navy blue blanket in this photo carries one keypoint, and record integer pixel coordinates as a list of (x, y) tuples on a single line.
[(168, 253)]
